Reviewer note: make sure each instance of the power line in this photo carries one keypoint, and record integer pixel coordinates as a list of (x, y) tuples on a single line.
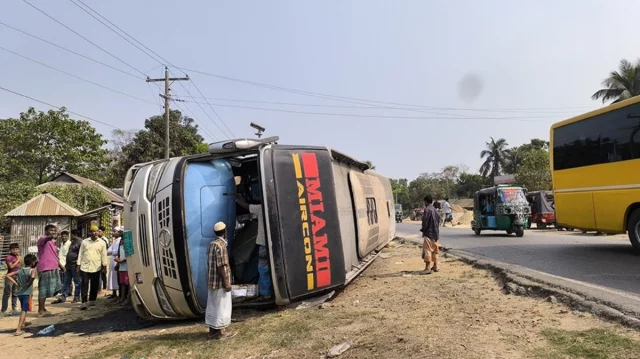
[(146, 53), (71, 51), (84, 38), (362, 107), (214, 111), (523, 119), (75, 76), (109, 27), (59, 108), (192, 115), (166, 62), (203, 110), (360, 101)]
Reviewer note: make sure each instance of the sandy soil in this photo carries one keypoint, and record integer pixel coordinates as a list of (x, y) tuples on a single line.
[(391, 311)]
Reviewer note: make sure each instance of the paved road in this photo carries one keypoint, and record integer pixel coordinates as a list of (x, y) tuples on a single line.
[(601, 261)]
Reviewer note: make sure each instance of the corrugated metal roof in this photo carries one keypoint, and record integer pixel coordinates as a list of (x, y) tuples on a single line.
[(113, 197), (43, 205)]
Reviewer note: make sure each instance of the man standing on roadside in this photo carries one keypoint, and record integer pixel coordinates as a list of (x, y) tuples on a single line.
[(103, 274), (71, 282), (62, 259), (49, 283), (448, 213), (92, 260), (218, 315), (430, 234)]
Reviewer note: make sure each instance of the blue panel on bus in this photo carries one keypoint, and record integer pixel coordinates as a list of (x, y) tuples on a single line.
[(209, 189)]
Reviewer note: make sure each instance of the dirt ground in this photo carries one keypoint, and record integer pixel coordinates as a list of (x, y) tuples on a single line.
[(391, 311)]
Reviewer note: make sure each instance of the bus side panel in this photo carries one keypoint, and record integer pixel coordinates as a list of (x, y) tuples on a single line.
[(384, 210), (367, 212), (309, 221), (611, 208), (346, 212), (575, 209)]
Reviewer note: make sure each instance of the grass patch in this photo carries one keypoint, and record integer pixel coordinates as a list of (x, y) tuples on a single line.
[(284, 331), (590, 344)]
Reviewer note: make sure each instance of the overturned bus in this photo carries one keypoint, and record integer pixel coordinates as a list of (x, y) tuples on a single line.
[(324, 217)]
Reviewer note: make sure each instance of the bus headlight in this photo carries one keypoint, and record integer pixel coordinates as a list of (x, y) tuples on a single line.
[(164, 302), (154, 179)]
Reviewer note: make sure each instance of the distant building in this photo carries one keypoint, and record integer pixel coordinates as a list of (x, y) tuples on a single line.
[(29, 219), (109, 215)]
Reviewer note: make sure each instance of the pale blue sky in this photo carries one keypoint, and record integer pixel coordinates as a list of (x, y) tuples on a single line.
[(543, 54)]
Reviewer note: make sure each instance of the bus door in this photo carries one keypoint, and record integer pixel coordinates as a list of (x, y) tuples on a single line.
[(302, 220)]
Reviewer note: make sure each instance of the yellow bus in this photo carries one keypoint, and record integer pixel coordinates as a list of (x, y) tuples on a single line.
[(595, 166)]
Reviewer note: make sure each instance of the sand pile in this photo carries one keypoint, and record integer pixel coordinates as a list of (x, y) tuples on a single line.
[(466, 218), (457, 209)]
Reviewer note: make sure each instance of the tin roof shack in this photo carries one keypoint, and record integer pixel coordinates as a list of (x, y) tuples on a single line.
[(109, 215), (29, 219), (67, 178)]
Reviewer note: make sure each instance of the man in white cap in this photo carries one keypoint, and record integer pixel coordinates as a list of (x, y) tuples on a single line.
[(218, 315)]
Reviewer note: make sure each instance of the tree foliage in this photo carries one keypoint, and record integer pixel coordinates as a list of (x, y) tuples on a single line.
[(534, 172), (148, 144), (41, 145), (515, 155), (12, 194), (622, 84), (81, 197), (494, 155)]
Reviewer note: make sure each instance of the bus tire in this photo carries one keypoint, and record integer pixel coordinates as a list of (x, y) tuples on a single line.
[(633, 228)]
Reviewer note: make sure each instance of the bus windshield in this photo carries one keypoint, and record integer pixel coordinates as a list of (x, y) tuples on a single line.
[(511, 195)]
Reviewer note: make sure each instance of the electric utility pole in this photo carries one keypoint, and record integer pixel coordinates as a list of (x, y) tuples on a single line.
[(167, 98)]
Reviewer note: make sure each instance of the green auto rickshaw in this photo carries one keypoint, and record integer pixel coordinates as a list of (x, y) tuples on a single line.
[(399, 213), (501, 208)]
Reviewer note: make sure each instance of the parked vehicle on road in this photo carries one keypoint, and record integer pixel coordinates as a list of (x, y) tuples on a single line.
[(399, 214), (594, 160), (501, 208), (542, 211), (325, 217)]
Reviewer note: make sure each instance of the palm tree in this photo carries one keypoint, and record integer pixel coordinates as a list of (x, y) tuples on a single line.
[(494, 157), (622, 84)]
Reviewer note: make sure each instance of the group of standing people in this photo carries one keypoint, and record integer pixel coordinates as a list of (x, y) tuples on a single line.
[(77, 267)]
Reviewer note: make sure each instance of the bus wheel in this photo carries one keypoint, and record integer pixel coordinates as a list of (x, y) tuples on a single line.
[(633, 228)]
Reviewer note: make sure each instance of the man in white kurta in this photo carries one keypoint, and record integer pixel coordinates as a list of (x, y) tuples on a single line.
[(112, 252), (218, 315)]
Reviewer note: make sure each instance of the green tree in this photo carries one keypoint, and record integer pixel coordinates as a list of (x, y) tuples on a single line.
[(470, 183), (427, 183), (400, 188), (515, 155), (148, 144), (622, 84), (534, 172), (494, 157), (41, 145), (13, 194)]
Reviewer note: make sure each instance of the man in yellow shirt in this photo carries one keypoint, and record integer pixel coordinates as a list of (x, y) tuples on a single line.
[(92, 260)]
